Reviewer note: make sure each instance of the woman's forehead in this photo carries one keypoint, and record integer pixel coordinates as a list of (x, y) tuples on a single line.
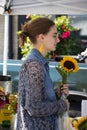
[(53, 30)]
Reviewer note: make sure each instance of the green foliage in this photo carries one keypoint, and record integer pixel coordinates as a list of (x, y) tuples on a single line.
[(26, 49), (70, 42)]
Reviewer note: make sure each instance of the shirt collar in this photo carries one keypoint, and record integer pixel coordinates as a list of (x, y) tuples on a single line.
[(39, 56)]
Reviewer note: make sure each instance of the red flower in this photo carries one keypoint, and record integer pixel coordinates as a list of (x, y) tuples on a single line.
[(53, 55), (2, 99), (63, 27), (65, 34), (2, 104)]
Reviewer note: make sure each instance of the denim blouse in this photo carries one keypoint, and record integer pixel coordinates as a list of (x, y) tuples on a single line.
[(35, 54)]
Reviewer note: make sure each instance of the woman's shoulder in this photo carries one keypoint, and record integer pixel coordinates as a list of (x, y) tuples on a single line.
[(32, 63)]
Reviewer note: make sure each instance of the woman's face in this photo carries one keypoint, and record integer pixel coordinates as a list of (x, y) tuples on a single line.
[(51, 39)]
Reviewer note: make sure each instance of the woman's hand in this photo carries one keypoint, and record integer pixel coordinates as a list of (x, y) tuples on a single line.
[(63, 89)]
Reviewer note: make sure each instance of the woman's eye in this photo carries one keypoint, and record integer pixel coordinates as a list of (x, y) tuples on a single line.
[(55, 36)]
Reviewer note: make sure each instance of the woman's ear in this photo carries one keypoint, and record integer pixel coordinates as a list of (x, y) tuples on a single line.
[(40, 37)]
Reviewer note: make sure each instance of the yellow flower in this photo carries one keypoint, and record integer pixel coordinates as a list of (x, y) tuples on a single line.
[(80, 124), (66, 66), (2, 89), (69, 64)]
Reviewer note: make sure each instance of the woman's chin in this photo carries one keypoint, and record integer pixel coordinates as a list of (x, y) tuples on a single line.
[(54, 49)]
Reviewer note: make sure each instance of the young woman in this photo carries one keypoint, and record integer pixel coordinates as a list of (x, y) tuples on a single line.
[(37, 104)]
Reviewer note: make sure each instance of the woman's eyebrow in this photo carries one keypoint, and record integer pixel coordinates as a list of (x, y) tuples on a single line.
[(55, 33)]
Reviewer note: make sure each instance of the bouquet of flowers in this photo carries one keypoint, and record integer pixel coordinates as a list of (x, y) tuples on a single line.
[(66, 66), (8, 101), (8, 107), (69, 37)]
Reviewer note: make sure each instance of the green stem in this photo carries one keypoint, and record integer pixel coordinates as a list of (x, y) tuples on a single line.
[(64, 79)]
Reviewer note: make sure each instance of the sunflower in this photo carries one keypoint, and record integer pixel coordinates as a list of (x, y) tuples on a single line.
[(80, 124), (69, 64)]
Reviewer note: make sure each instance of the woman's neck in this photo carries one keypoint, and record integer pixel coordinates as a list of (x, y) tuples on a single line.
[(43, 51)]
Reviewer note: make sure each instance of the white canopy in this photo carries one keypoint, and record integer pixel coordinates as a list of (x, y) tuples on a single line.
[(21, 7)]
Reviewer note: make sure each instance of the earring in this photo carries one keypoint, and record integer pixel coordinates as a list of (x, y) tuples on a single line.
[(41, 47)]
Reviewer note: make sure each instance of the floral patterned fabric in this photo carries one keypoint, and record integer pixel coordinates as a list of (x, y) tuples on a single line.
[(36, 108)]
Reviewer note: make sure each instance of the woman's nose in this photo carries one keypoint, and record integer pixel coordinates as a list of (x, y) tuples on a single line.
[(58, 40)]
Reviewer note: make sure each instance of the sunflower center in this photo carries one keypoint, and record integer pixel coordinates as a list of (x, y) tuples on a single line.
[(69, 65)]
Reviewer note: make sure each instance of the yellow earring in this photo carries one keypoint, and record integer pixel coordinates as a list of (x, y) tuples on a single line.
[(41, 48)]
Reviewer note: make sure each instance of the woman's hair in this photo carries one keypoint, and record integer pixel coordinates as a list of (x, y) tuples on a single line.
[(33, 28)]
